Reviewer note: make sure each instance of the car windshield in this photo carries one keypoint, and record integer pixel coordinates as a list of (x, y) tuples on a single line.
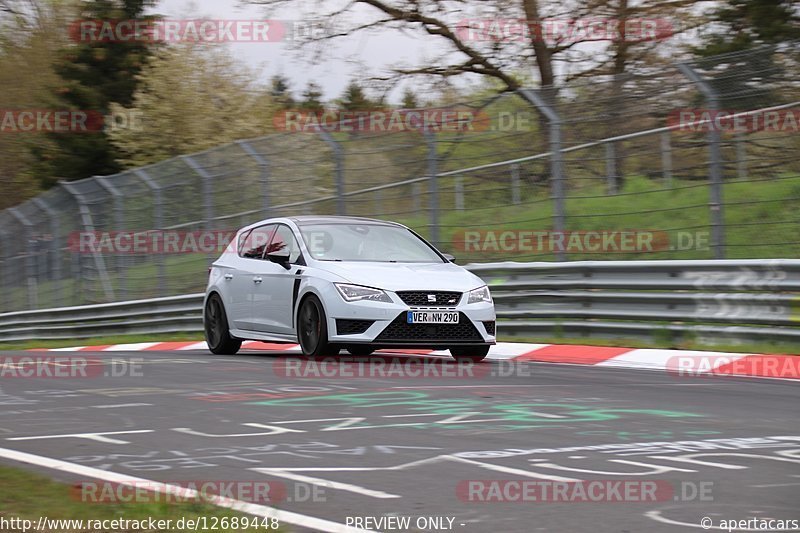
[(366, 242)]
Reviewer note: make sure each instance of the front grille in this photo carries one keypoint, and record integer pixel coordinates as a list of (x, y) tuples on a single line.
[(401, 331), (346, 326), (489, 325), (421, 298)]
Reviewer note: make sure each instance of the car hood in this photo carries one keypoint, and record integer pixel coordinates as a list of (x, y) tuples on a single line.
[(405, 276)]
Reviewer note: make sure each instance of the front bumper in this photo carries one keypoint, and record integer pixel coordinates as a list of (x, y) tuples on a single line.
[(384, 324)]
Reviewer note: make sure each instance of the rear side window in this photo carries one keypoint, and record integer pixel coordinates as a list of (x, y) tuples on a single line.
[(254, 244), (242, 237)]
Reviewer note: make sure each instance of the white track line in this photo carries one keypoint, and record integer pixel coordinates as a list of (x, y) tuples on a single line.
[(648, 358), (133, 347), (196, 346), (285, 517), (71, 349), (510, 350)]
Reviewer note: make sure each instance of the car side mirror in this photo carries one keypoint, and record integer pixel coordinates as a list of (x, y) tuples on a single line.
[(450, 257), (280, 258)]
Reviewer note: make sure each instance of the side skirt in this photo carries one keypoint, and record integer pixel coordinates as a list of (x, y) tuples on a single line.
[(262, 336)]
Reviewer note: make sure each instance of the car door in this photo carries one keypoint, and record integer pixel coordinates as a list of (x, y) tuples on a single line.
[(243, 281), (274, 296)]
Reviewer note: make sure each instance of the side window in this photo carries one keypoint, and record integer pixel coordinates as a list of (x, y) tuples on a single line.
[(255, 242), (242, 239), (284, 241)]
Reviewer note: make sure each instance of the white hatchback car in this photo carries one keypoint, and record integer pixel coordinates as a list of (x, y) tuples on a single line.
[(344, 282)]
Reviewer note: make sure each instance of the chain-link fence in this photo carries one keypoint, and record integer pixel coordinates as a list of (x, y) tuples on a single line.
[(689, 161)]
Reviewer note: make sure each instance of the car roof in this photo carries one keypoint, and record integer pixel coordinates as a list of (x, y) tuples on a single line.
[(307, 220)]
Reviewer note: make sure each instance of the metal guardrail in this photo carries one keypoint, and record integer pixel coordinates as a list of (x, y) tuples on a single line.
[(667, 301), (157, 315)]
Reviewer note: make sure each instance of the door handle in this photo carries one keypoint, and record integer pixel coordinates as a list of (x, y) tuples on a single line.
[(228, 276), (257, 279)]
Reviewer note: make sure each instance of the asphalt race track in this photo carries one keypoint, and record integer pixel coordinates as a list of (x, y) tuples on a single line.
[(432, 448)]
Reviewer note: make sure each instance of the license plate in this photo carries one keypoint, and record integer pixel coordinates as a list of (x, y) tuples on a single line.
[(432, 317)]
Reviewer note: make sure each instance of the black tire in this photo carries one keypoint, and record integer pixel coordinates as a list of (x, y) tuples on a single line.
[(312, 329), (473, 353), (215, 324), (360, 350)]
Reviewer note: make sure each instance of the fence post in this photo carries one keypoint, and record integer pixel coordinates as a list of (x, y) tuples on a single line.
[(158, 222), (556, 160), (516, 197), (119, 222), (208, 193), (263, 164), (612, 181), (30, 258), (459, 187), (75, 270), (208, 190), (433, 185), (6, 301), (741, 155), (338, 155), (714, 163), (55, 230), (88, 225), (666, 157), (379, 210)]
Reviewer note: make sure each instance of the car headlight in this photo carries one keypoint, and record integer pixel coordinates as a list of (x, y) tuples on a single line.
[(479, 295), (357, 293)]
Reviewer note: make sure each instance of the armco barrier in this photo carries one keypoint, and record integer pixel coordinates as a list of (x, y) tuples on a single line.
[(713, 301)]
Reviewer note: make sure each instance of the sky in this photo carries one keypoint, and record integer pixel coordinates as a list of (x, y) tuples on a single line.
[(376, 51), (356, 56)]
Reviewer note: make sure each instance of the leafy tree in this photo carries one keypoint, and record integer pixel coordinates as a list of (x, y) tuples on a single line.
[(749, 33), (354, 98), (93, 75), (312, 98), (191, 97), (498, 39), (31, 33), (744, 24), (409, 99), (281, 92)]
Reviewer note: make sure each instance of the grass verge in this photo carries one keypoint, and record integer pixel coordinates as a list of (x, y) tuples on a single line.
[(102, 341), (29, 496)]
